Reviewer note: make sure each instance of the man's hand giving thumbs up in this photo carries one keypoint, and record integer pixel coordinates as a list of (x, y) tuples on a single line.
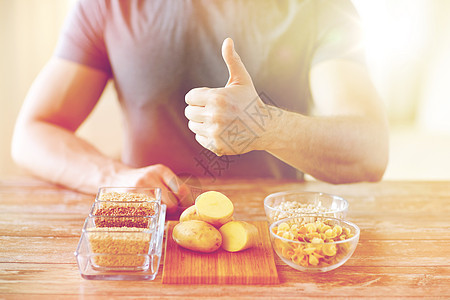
[(346, 142), (211, 110)]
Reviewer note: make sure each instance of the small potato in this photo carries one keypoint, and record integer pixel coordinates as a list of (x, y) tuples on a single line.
[(238, 236), (197, 236), (189, 213), (215, 208)]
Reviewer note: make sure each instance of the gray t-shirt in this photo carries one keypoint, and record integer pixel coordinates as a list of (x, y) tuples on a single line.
[(157, 50)]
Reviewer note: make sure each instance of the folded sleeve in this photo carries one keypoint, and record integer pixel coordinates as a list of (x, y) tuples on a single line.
[(82, 37), (339, 32)]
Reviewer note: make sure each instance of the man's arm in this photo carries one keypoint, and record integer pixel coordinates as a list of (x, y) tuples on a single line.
[(45, 143), (346, 142), (347, 138)]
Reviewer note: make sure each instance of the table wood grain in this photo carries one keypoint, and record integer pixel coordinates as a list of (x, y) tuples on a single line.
[(404, 249)]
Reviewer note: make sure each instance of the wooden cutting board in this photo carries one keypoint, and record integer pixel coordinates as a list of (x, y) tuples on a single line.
[(252, 266)]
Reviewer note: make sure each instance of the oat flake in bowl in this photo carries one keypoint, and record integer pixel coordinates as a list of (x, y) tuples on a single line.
[(292, 203)]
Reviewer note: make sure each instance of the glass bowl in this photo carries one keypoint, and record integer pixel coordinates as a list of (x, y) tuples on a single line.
[(292, 203), (121, 253), (122, 236), (128, 194), (314, 243)]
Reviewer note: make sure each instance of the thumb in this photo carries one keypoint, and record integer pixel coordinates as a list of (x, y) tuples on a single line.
[(237, 70)]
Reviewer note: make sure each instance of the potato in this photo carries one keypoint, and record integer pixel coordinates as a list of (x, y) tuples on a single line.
[(214, 207), (189, 213), (238, 236), (197, 236)]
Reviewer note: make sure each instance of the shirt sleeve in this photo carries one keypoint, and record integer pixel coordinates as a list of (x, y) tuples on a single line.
[(82, 37), (339, 32)]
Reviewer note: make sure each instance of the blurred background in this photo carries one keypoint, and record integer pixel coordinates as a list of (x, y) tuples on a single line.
[(408, 52)]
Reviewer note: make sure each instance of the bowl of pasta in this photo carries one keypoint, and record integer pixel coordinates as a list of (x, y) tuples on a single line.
[(314, 243)]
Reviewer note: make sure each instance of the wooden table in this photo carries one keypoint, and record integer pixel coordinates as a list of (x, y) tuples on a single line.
[(403, 251)]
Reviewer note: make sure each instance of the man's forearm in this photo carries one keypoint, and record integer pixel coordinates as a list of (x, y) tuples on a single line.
[(57, 155), (336, 149)]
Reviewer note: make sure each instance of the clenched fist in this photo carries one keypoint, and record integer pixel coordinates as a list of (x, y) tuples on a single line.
[(221, 117)]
